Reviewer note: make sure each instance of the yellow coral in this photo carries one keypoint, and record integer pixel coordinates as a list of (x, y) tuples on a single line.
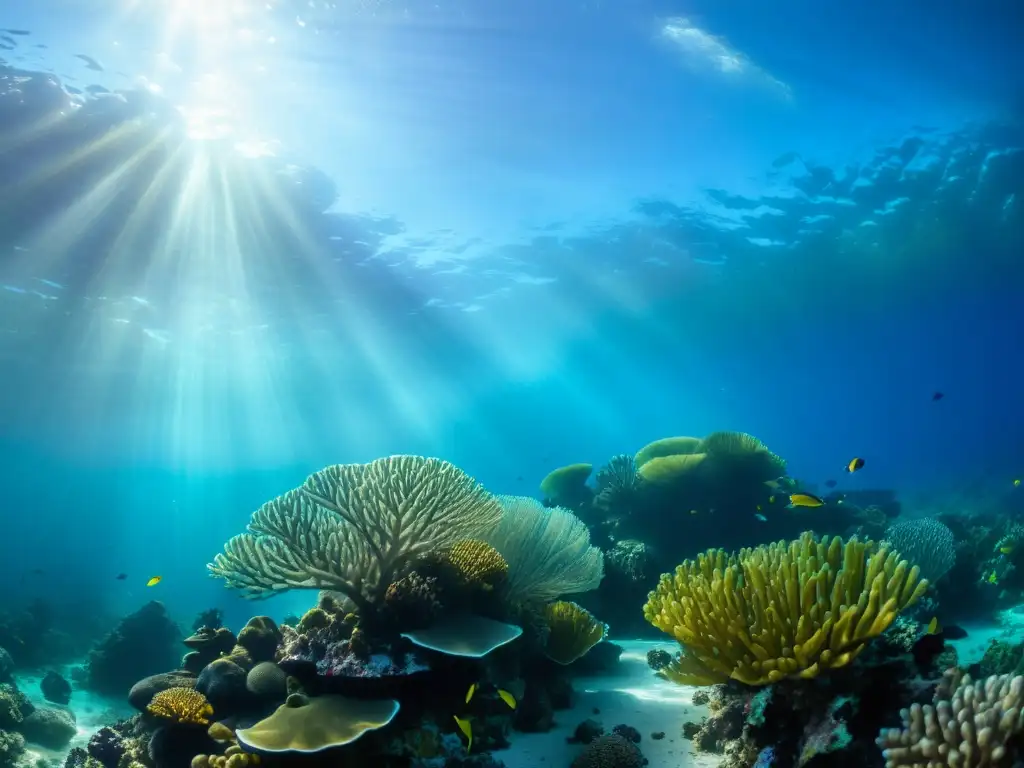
[(665, 470), (565, 484), (182, 705), (780, 610), (573, 631), (667, 446), (477, 562), (742, 450)]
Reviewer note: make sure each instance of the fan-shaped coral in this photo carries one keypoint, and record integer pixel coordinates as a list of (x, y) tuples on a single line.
[(780, 610), (355, 528), (548, 551), (926, 543), (572, 631), (182, 705)]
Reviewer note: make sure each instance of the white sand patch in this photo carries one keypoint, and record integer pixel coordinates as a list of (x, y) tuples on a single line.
[(630, 695), (91, 711)]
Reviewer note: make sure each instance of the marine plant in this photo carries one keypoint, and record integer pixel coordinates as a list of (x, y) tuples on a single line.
[(780, 610), (548, 551), (356, 528)]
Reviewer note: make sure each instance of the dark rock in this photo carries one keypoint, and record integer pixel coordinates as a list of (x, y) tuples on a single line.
[(223, 684), (658, 735), (560, 692), (953, 632), (658, 658), (77, 758), (260, 637), (143, 691), (174, 745), (601, 658), (50, 728), (586, 732), (690, 730), (534, 713), (55, 688)]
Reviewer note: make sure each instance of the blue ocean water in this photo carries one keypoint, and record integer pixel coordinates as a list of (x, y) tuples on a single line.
[(241, 241)]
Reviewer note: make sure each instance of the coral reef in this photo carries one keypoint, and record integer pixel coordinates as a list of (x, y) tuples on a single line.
[(181, 705), (572, 631), (143, 643), (779, 610), (610, 751), (567, 486)]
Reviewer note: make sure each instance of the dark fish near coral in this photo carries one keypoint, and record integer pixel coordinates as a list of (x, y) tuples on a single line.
[(121, 576), (954, 632), (854, 465), (830, 483), (937, 396), (804, 500)]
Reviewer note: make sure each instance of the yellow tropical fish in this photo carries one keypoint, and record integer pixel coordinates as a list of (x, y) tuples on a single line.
[(470, 692), (933, 626), (804, 500), (992, 578), (154, 581), (508, 698), (1016, 483), (467, 730), (1007, 549)]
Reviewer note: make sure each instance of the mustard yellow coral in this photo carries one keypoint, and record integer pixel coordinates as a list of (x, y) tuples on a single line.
[(182, 705), (667, 446), (477, 562), (666, 470), (565, 484), (573, 631), (780, 610)]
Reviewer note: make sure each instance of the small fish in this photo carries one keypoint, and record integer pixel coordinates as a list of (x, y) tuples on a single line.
[(934, 627), (759, 507), (992, 578), (470, 692), (854, 465), (693, 511), (773, 484), (1016, 483), (937, 396), (762, 518), (1007, 550), (154, 581), (121, 576), (507, 697), (804, 500), (467, 730), (830, 483)]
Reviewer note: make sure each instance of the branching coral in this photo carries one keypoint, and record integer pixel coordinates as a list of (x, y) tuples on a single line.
[(973, 727), (780, 610), (355, 528), (548, 551), (182, 705)]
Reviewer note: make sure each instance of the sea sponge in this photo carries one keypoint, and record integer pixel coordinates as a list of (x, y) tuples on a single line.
[(779, 610), (667, 446), (610, 751), (567, 485), (573, 631), (181, 705), (304, 725), (267, 681), (355, 528), (974, 726), (412, 601), (260, 637), (476, 562), (314, 618), (668, 470)]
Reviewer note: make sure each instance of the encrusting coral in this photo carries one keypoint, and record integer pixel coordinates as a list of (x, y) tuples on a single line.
[(667, 446), (972, 727), (664, 470), (181, 705), (572, 631), (779, 610), (567, 486), (356, 528)]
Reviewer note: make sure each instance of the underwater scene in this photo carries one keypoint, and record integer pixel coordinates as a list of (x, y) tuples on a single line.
[(479, 384)]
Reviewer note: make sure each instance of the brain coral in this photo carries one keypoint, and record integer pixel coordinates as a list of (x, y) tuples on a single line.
[(611, 751)]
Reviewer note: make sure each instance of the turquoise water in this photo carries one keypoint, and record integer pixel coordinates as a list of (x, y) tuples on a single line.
[(241, 241)]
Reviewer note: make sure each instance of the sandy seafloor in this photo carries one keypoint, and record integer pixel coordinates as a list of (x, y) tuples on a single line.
[(631, 694)]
